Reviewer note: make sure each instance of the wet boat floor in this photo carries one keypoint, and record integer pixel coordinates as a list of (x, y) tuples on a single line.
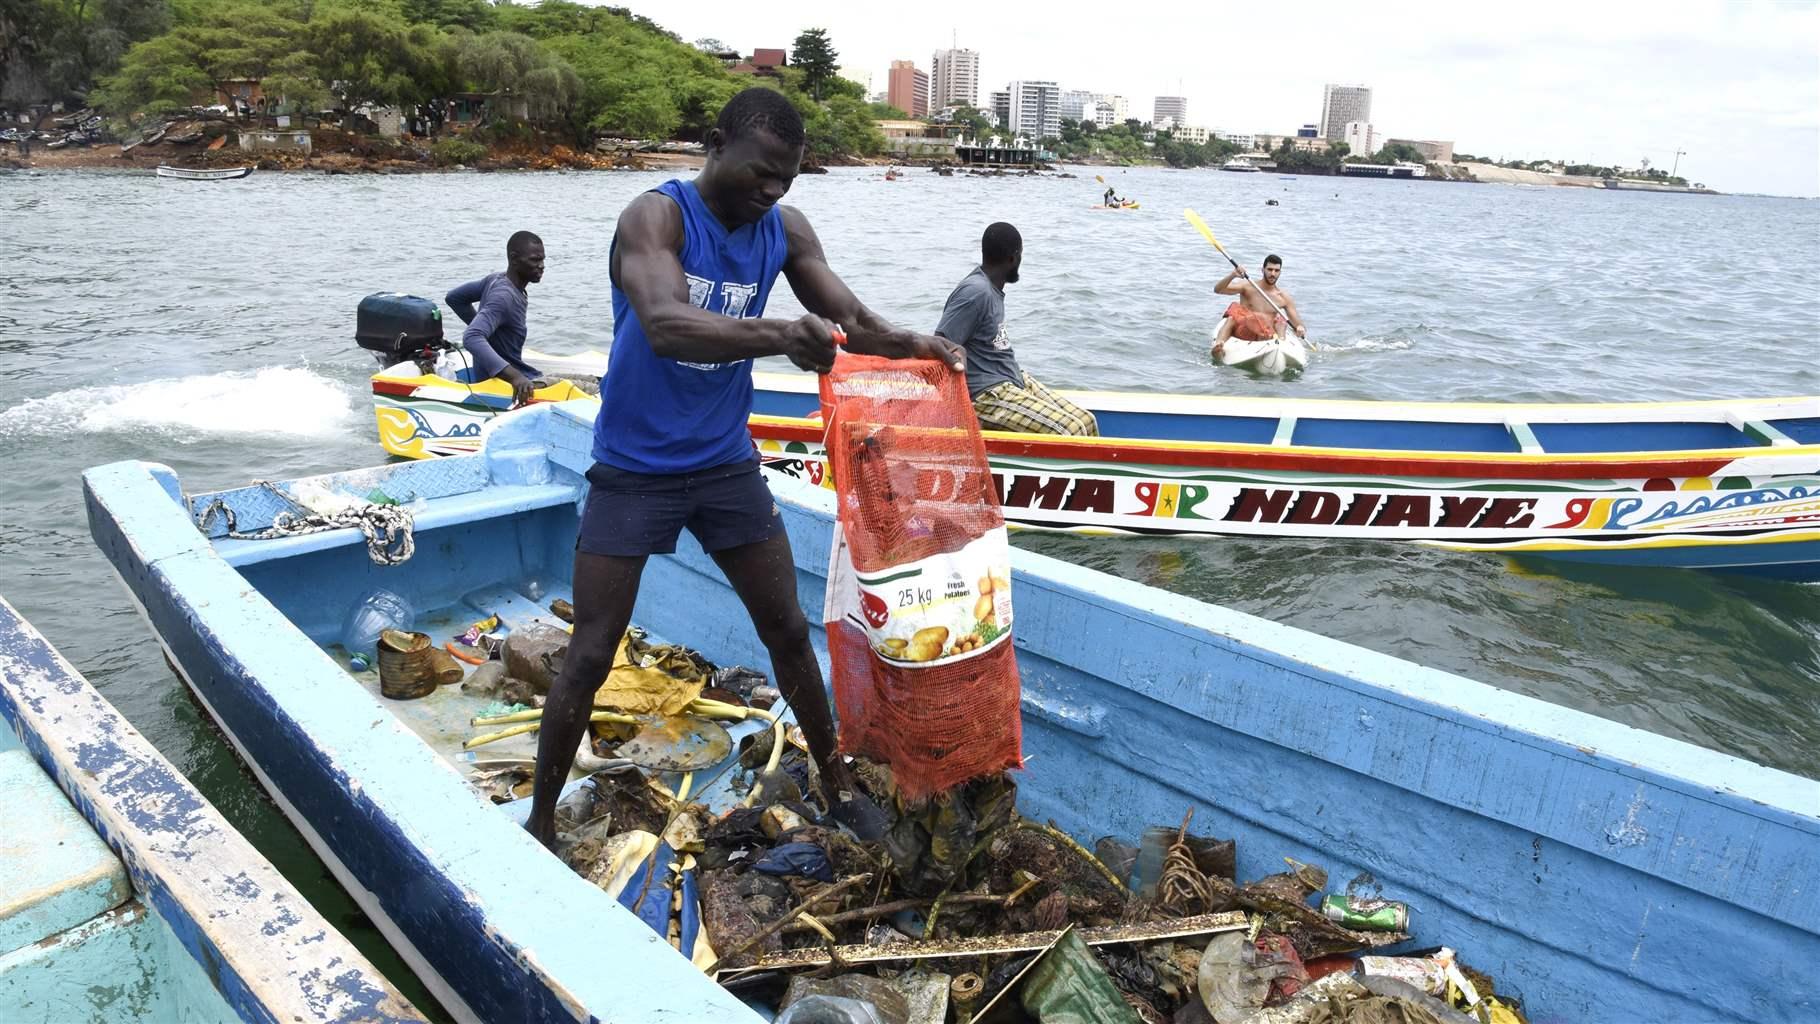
[(444, 717)]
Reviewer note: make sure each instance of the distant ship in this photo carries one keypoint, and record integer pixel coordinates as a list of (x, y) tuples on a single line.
[(1238, 163)]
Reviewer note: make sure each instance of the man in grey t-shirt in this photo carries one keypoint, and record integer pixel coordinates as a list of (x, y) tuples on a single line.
[(1004, 396)]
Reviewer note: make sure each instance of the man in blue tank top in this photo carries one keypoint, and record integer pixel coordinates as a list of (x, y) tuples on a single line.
[(692, 267)]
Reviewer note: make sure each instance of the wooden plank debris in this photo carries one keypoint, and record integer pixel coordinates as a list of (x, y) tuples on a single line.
[(1022, 942)]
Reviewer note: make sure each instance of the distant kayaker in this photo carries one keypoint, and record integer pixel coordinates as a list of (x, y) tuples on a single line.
[(1004, 396), (1112, 198), (692, 266), (495, 335), (1251, 318)]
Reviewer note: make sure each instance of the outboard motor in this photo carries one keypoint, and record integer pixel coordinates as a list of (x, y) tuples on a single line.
[(399, 328)]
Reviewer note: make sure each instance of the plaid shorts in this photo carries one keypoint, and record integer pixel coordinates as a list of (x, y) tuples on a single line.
[(1032, 409)]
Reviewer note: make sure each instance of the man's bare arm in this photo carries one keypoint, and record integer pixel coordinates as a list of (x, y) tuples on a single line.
[(822, 292), (1295, 318), (1226, 287), (646, 267)]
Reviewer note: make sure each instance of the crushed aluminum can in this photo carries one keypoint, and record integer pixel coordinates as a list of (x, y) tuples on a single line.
[(1365, 915)]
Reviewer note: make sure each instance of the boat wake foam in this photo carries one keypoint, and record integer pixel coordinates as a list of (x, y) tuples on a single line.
[(289, 401), (1369, 344)]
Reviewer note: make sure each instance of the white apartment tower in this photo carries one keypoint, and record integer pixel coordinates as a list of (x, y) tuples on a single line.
[(1105, 109), (1036, 109), (1361, 138), (957, 79), (1173, 107), (1075, 103), (1341, 105)]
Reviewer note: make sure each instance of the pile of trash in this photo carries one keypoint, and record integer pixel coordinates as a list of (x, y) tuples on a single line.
[(955, 907)]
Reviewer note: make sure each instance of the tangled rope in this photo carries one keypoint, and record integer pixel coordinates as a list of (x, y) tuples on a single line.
[(1182, 889), (388, 528)]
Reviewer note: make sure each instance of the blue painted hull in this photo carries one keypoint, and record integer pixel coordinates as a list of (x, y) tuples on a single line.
[(208, 931), (1601, 872)]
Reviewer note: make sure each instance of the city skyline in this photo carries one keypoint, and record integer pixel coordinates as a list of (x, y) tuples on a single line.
[(1736, 87)]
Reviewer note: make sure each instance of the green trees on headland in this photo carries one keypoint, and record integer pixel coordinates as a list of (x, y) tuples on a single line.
[(586, 71)]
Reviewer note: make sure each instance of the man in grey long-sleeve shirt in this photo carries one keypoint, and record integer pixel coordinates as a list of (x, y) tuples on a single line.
[(495, 335)]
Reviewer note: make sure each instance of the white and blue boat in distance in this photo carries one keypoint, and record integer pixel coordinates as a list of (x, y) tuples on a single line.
[(125, 896), (1600, 872)]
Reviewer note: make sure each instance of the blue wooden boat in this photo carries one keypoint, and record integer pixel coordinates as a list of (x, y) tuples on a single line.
[(124, 896), (1730, 486), (1601, 872)]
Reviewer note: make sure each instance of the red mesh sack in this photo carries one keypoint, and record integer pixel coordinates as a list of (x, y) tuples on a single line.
[(919, 582)]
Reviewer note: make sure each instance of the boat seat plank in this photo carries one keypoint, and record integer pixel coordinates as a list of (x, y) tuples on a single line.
[(1526, 438), (1285, 434), (1761, 431), (489, 503), (55, 872), (1801, 430)]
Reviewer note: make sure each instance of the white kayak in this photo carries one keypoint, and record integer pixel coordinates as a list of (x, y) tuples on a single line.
[(1273, 355)]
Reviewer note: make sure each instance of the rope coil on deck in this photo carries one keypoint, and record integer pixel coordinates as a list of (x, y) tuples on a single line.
[(388, 528)]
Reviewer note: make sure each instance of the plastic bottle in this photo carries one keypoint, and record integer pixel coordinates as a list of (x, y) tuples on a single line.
[(1153, 848), (378, 610)]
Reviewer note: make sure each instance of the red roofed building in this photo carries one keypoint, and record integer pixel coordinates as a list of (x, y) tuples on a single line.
[(763, 62)]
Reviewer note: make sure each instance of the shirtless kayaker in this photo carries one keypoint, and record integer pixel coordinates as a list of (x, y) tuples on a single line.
[(1251, 318)]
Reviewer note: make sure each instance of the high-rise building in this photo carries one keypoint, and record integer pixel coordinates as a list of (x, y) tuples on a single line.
[(957, 79), (1074, 103), (1035, 109), (1001, 108), (1175, 107), (1360, 137), (1106, 110), (1341, 105), (907, 89)]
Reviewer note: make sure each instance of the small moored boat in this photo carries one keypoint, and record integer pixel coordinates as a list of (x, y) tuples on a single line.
[(124, 895), (203, 174), (1584, 864)]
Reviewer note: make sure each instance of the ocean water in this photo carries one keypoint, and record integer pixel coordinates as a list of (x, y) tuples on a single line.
[(209, 326)]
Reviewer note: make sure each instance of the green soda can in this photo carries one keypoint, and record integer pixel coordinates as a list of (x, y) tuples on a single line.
[(1365, 915)]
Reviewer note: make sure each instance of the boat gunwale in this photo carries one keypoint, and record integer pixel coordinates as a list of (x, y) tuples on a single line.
[(251, 647), (1628, 757), (1335, 460), (265, 950)]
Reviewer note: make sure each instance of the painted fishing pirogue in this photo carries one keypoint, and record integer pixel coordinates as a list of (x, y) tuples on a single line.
[(1725, 485)]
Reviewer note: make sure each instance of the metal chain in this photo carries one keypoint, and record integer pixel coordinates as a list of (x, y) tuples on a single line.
[(388, 528)]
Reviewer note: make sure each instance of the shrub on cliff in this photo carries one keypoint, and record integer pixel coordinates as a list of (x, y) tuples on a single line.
[(452, 151)]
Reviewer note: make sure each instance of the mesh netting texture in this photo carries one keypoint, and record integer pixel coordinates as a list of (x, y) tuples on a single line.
[(925, 675)]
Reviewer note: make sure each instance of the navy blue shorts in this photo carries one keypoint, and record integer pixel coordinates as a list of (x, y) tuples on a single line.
[(629, 514)]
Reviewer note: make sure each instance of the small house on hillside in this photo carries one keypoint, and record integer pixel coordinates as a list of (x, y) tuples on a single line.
[(239, 94), (468, 108), (762, 62)]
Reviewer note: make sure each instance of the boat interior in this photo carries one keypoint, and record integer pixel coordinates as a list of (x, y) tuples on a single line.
[(1136, 705)]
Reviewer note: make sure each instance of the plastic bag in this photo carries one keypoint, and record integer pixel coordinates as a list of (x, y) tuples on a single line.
[(918, 605)]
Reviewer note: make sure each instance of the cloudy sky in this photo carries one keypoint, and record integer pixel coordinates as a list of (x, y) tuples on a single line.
[(1734, 85)]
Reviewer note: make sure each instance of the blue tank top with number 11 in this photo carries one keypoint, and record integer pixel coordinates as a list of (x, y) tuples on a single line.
[(666, 416)]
